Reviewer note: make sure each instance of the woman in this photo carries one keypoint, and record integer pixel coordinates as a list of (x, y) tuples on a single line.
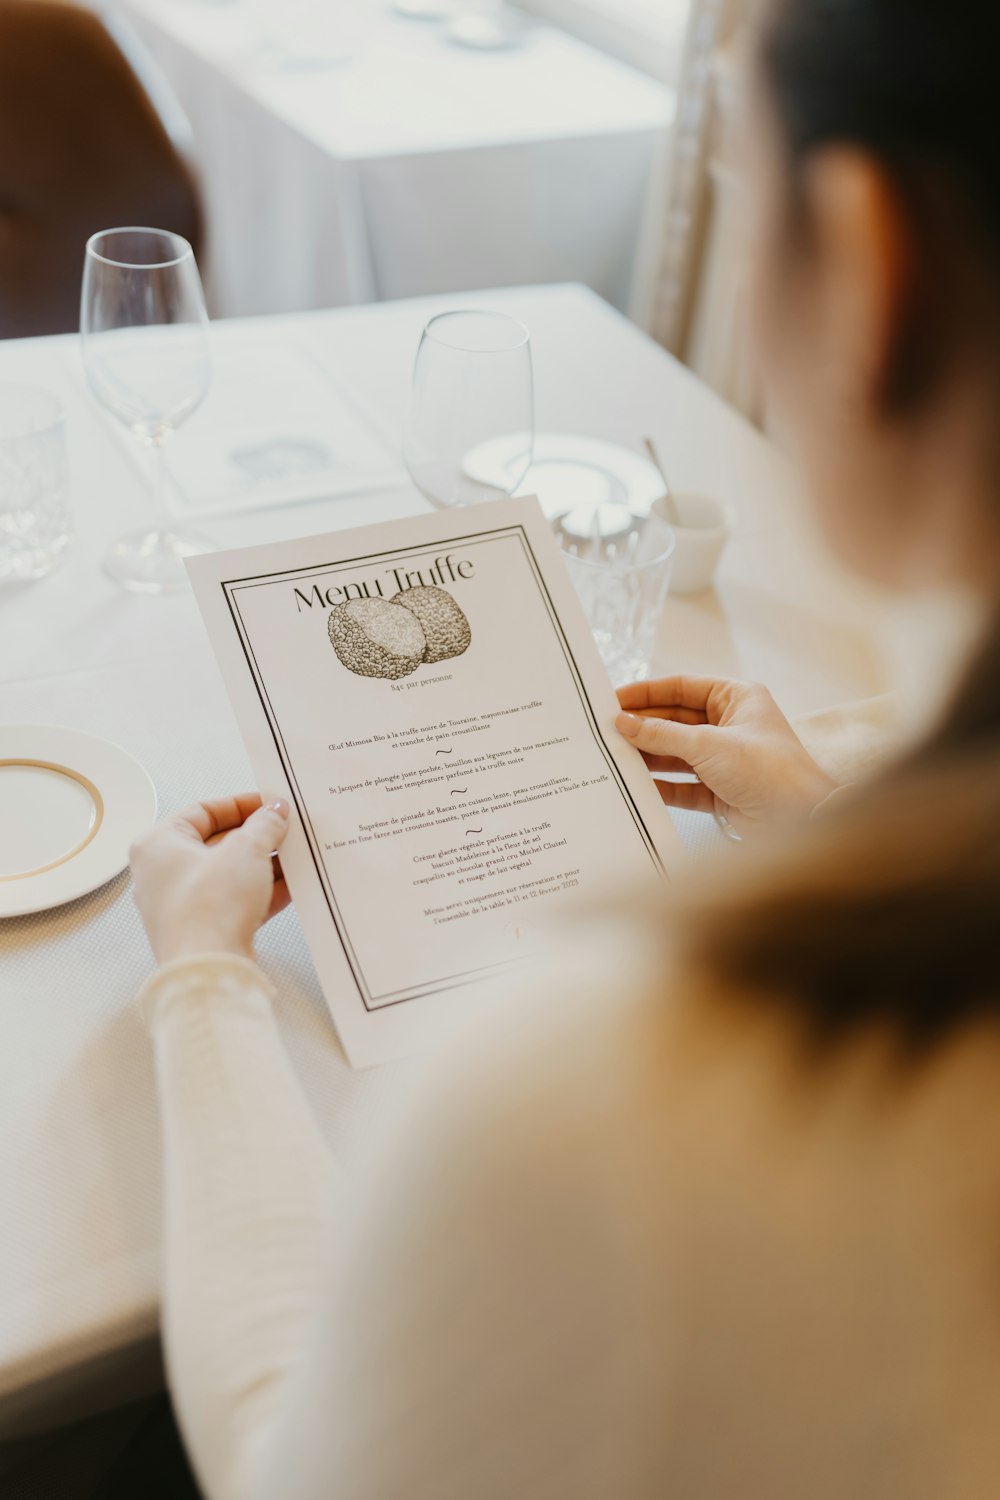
[(722, 1217)]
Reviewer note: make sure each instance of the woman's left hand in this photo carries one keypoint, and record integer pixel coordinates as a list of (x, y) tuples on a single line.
[(197, 896), (749, 762)]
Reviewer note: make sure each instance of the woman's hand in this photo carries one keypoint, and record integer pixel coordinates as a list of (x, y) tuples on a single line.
[(750, 763), (198, 896)]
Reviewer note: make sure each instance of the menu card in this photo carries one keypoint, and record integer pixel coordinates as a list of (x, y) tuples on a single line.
[(427, 695)]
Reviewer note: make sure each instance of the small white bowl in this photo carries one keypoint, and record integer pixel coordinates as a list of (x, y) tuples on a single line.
[(701, 540)]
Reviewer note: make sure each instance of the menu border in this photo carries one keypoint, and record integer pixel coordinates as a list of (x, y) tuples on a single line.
[(230, 587)]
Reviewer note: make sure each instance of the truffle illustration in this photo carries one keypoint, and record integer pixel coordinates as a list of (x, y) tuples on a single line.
[(376, 638), (444, 624)]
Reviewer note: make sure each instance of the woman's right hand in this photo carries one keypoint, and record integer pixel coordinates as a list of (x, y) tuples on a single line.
[(205, 878), (750, 763)]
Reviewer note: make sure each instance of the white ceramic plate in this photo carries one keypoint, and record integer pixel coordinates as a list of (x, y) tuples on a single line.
[(569, 471), (486, 31), (424, 10), (70, 806)]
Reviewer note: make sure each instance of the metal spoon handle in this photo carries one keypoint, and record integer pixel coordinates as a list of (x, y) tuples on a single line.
[(668, 494)]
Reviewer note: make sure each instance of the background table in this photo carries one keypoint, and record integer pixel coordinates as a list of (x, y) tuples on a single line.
[(78, 1129), (356, 180)]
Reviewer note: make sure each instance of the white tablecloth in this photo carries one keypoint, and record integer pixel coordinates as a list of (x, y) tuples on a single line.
[(411, 166), (78, 1132)]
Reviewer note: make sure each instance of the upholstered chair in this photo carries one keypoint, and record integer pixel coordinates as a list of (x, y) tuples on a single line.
[(90, 138)]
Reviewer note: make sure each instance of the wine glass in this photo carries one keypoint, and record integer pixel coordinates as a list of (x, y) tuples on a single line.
[(471, 427), (147, 358)]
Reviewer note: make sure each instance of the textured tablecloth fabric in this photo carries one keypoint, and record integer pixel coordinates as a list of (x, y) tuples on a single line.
[(411, 166), (78, 1134)]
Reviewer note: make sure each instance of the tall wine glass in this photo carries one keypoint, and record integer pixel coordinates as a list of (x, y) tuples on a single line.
[(470, 431), (147, 357)]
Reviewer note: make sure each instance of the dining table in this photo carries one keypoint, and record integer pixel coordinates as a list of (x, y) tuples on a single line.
[(79, 1138), (339, 144)]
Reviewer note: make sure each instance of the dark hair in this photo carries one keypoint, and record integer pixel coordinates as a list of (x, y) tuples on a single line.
[(890, 911), (887, 913), (913, 82)]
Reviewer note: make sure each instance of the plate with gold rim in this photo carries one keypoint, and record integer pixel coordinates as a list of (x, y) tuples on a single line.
[(70, 806)]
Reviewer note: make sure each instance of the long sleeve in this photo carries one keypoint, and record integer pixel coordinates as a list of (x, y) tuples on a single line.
[(476, 1324), (854, 741), (625, 1241), (249, 1194)]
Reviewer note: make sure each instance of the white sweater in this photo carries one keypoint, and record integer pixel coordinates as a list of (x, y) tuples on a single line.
[(617, 1252)]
